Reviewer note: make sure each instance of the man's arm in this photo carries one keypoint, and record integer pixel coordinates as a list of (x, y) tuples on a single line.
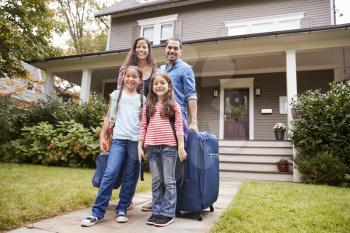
[(192, 105)]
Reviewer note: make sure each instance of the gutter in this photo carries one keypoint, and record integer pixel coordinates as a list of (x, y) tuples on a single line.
[(215, 39)]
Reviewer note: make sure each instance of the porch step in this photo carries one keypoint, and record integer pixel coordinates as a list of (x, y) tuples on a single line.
[(261, 144), (251, 175), (249, 166), (254, 160)]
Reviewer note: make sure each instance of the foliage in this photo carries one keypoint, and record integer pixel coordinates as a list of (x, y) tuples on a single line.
[(323, 168), (323, 124), (78, 18), (279, 127), (91, 114), (33, 192), (286, 207), (67, 144), (25, 33), (11, 121)]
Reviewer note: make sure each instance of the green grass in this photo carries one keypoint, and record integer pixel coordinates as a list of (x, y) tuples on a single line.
[(32, 192), (286, 207)]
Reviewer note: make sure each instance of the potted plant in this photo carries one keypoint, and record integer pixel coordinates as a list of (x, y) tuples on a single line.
[(283, 165), (279, 129)]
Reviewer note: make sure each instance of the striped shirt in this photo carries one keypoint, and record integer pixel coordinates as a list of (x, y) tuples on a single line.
[(159, 131)]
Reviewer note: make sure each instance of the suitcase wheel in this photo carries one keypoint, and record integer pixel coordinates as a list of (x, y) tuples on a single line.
[(199, 217), (211, 208)]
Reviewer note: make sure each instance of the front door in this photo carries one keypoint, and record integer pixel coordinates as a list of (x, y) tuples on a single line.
[(236, 117)]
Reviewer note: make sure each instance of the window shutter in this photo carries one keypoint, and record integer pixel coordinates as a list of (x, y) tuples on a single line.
[(178, 28), (135, 33)]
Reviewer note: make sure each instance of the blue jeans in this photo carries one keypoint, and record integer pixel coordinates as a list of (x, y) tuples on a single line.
[(122, 158), (162, 161)]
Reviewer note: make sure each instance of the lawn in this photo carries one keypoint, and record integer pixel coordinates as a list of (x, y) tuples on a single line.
[(32, 192), (287, 207)]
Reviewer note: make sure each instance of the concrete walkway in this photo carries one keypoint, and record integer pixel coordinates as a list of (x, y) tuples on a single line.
[(70, 223)]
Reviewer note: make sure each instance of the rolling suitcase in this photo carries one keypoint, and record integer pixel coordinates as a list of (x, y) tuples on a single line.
[(197, 178)]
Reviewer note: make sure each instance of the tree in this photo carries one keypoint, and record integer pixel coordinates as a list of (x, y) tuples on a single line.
[(25, 33), (87, 34)]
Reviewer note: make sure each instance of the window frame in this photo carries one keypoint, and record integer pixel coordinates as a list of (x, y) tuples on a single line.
[(276, 21), (157, 23)]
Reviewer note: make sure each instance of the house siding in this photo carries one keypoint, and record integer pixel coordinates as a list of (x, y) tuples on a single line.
[(207, 19), (272, 86)]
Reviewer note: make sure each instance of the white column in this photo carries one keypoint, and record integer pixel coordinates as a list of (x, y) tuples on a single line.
[(49, 84), (292, 94), (85, 86)]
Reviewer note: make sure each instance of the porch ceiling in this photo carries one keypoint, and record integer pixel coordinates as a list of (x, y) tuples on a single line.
[(232, 50)]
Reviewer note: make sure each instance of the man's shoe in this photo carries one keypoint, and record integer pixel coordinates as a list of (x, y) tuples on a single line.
[(121, 217), (90, 221), (151, 220), (162, 221), (147, 207)]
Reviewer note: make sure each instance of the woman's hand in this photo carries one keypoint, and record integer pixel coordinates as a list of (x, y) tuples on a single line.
[(141, 153), (105, 144), (182, 153)]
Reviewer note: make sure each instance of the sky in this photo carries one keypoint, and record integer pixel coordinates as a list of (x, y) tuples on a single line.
[(342, 6)]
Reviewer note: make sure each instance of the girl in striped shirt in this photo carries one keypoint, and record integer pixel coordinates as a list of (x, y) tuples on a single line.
[(162, 144)]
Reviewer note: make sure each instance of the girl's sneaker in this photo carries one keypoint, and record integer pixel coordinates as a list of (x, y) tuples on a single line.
[(121, 217), (162, 221), (90, 221)]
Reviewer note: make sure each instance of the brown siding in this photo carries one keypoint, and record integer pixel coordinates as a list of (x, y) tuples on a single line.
[(207, 19), (272, 86)]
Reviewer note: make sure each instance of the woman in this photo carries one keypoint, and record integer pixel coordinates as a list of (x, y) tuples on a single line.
[(140, 55)]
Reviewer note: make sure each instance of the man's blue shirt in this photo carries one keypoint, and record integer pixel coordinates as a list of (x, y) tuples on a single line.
[(184, 83)]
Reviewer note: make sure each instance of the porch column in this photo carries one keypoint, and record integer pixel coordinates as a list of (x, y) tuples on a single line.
[(85, 86), (291, 71), (49, 84)]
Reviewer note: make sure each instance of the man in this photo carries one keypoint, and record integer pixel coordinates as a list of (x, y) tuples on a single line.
[(184, 83)]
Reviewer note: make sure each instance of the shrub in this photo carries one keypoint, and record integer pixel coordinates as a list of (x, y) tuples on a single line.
[(322, 168), (323, 125), (69, 144)]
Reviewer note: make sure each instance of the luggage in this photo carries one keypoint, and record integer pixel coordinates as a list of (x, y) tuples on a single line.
[(197, 178), (101, 165)]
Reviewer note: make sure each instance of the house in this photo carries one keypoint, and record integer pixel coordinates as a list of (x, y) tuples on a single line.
[(24, 91), (250, 58)]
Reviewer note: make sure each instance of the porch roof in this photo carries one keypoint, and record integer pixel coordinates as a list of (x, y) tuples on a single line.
[(298, 39)]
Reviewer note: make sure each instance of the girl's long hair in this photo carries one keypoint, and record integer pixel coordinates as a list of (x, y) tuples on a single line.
[(131, 59), (168, 108), (141, 86)]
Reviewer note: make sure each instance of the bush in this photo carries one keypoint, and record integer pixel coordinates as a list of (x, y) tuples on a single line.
[(69, 144), (323, 168), (323, 125)]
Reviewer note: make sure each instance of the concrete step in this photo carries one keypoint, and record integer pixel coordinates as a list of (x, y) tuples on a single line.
[(262, 144), (252, 158), (246, 175), (256, 167), (255, 151)]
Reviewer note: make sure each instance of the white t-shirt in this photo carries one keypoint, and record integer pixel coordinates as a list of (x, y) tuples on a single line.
[(127, 124)]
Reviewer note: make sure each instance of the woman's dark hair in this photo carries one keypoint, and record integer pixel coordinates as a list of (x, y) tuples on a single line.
[(131, 59), (168, 108)]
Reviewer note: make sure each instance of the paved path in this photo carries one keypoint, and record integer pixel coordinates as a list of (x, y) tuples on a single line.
[(70, 223)]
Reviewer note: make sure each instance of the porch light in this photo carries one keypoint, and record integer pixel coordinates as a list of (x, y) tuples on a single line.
[(216, 93), (257, 91)]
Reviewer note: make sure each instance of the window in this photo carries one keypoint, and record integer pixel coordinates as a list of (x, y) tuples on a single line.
[(158, 30), (264, 24), (283, 105)]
